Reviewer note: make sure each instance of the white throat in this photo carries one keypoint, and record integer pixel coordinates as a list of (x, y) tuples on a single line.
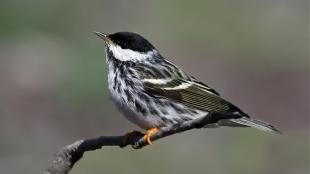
[(127, 54)]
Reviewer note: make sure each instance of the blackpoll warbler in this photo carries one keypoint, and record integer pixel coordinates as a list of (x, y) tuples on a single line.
[(152, 92)]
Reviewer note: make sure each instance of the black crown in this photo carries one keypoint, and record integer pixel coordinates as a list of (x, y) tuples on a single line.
[(132, 41)]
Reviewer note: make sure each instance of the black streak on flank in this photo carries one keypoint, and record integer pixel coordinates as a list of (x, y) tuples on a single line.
[(178, 109), (115, 80), (139, 107), (128, 82), (159, 102), (178, 120), (163, 111), (185, 118), (153, 111), (119, 88), (166, 120), (128, 95), (144, 97)]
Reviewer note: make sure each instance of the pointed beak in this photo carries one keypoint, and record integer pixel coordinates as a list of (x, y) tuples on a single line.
[(103, 36)]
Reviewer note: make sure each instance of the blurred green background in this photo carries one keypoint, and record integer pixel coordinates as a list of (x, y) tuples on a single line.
[(53, 87)]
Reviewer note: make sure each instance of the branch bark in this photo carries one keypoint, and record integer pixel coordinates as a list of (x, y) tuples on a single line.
[(68, 155)]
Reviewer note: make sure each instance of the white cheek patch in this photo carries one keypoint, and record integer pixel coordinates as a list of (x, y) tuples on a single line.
[(127, 54)]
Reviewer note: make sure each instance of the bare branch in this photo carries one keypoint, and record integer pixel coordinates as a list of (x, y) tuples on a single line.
[(67, 156)]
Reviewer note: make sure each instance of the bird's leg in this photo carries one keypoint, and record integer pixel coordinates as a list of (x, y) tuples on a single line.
[(127, 136), (149, 133)]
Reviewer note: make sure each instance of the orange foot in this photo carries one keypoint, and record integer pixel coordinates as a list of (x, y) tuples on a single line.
[(148, 135), (128, 135)]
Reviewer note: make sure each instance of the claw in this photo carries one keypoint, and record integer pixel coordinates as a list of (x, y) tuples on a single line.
[(148, 135)]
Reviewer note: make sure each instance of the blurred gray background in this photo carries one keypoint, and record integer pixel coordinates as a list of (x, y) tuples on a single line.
[(53, 82)]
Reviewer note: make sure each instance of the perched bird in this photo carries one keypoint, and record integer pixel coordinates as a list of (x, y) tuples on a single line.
[(152, 92)]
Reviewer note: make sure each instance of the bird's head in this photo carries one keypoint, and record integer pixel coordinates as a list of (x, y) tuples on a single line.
[(127, 46)]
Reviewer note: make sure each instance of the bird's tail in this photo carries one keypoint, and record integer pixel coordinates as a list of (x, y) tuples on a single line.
[(248, 122)]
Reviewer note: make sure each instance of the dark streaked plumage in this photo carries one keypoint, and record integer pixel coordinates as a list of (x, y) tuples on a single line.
[(153, 92)]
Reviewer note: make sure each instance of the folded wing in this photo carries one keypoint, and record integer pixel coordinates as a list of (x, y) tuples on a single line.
[(192, 94)]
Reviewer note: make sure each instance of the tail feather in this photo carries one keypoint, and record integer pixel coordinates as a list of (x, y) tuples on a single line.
[(258, 124)]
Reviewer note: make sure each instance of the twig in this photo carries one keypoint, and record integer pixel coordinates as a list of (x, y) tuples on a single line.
[(67, 156)]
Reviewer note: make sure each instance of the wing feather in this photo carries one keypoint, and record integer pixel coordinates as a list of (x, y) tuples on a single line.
[(190, 94)]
